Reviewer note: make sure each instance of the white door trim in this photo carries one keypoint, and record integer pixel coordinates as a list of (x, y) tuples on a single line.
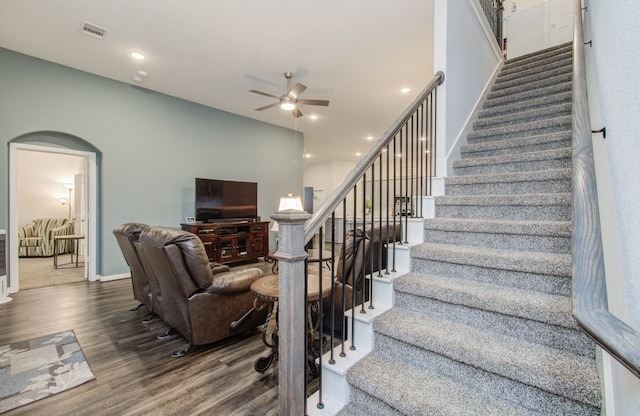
[(90, 214)]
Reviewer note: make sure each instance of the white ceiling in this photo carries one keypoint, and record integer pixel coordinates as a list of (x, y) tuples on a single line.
[(356, 53)]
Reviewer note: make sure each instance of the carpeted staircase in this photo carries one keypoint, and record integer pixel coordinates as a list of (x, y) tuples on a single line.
[(482, 324)]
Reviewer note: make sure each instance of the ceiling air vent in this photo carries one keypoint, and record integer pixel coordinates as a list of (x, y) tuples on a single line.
[(92, 30)]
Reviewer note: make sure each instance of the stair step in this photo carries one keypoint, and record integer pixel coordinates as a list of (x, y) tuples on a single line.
[(551, 370), (536, 317), (543, 272), (531, 207), (520, 86), (530, 161), (526, 182), (542, 70), (543, 53), (543, 236), (518, 145), (540, 113), (506, 82), (551, 264), (531, 128), (528, 95), (380, 388), (538, 61), (541, 102)]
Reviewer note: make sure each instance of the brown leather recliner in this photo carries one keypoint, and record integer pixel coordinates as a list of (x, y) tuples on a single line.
[(202, 306), (127, 236), (350, 268)]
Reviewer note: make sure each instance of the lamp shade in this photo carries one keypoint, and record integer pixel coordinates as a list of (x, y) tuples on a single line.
[(290, 202)]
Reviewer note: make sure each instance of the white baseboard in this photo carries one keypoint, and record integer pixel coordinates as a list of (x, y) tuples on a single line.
[(109, 278)]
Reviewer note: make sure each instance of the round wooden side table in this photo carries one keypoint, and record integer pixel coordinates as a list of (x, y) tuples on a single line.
[(266, 289)]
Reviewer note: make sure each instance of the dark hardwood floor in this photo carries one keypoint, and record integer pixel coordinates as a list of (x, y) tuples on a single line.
[(135, 373)]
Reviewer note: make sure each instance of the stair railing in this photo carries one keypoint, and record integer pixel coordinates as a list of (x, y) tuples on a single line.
[(370, 208), (493, 10), (590, 307)]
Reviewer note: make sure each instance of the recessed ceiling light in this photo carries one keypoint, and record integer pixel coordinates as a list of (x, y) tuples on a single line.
[(405, 90), (136, 55), (369, 137), (306, 155), (313, 117), (358, 154)]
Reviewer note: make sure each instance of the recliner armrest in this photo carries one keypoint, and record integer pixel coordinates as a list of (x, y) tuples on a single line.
[(234, 281), (218, 268)]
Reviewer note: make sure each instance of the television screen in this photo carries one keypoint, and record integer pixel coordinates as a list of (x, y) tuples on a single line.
[(225, 200)]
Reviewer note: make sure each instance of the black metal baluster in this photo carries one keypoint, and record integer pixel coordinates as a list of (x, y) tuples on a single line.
[(353, 269), (344, 278), (380, 218)]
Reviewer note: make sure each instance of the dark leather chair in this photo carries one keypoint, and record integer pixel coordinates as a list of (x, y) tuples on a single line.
[(203, 306), (127, 236), (362, 254)]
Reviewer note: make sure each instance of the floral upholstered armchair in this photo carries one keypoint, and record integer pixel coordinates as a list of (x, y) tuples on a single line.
[(35, 239)]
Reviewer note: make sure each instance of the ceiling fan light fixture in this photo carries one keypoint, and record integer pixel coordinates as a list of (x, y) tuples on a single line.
[(287, 105)]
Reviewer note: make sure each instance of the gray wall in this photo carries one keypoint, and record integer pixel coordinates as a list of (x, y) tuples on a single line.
[(468, 54), (614, 80), (152, 145)]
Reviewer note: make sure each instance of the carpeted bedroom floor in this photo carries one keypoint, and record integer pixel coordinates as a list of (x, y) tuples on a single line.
[(39, 272)]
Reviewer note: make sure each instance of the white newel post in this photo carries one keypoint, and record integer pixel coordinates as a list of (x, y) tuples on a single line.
[(291, 311)]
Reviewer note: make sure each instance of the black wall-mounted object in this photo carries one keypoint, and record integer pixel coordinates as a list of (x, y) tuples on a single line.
[(219, 200)]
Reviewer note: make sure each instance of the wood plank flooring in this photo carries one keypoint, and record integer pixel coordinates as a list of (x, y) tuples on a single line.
[(135, 373)]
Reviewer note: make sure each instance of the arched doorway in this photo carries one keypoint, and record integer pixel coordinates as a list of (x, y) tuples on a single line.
[(65, 144)]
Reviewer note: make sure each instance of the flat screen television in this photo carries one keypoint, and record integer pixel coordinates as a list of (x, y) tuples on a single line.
[(218, 201)]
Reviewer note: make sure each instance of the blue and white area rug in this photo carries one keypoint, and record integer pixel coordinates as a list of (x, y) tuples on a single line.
[(40, 367)]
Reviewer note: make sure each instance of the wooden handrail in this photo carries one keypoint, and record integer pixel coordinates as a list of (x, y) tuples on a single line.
[(590, 306)]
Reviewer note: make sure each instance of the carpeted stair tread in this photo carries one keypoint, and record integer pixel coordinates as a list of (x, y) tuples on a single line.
[(528, 95), (541, 142), (494, 161), (539, 175), (429, 394), (540, 102), (542, 307), (552, 370), (523, 63), (540, 228), (510, 200), (524, 69), (505, 82), (363, 404), (551, 51), (545, 68), (523, 86), (543, 236), (551, 264), (530, 128), (540, 113), (534, 207)]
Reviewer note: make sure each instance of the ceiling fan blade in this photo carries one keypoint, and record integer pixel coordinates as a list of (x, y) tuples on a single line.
[(266, 107), (265, 94), (296, 90), (314, 102), (296, 112)]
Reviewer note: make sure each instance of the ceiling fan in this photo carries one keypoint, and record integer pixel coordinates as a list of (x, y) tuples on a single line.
[(290, 100)]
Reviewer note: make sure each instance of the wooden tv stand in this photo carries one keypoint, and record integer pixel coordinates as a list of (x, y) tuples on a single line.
[(228, 242)]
